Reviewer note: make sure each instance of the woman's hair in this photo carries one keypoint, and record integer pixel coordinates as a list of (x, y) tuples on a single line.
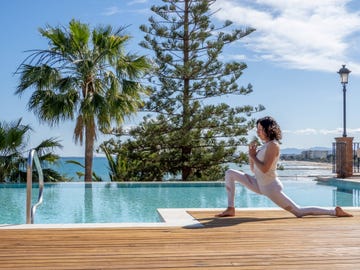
[(271, 127)]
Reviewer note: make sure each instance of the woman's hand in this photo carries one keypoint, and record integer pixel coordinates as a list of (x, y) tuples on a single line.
[(252, 150)]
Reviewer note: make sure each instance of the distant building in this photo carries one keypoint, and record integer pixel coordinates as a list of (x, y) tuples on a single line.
[(314, 154), (310, 155), (290, 156)]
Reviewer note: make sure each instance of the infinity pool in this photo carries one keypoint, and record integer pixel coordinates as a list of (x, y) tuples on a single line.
[(137, 202)]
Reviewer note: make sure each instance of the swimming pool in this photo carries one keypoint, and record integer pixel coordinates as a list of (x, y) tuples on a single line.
[(138, 202)]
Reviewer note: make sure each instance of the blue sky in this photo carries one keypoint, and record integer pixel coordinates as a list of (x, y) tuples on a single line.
[(293, 58)]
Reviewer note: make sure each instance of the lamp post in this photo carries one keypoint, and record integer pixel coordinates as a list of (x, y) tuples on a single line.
[(344, 76)]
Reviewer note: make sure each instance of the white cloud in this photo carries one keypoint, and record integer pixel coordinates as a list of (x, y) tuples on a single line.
[(306, 131), (312, 131), (134, 2), (302, 34), (111, 11)]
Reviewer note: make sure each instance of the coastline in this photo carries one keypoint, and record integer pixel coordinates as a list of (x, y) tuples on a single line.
[(303, 163), (290, 168)]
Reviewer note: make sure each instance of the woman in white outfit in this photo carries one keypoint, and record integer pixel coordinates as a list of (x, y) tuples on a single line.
[(263, 163)]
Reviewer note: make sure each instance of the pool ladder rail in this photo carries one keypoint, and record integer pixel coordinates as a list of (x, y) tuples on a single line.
[(30, 210)]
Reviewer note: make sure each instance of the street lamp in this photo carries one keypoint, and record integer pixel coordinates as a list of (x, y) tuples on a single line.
[(344, 76)]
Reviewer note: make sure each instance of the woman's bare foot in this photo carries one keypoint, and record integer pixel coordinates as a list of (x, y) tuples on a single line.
[(229, 212), (339, 212)]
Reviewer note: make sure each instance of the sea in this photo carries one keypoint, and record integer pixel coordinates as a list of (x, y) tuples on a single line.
[(291, 170), (75, 172)]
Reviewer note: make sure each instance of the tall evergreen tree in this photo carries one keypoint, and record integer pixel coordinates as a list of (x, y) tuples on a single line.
[(187, 132)]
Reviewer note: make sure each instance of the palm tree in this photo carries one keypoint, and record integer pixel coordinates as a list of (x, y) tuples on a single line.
[(83, 75), (47, 160), (13, 153), (12, 144)]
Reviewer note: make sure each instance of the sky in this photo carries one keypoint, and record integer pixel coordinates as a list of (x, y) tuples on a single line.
[(293, 58)]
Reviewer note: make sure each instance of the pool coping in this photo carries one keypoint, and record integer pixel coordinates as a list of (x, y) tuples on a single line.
[(171, 217)]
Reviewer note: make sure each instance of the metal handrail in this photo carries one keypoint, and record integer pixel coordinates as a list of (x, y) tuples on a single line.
[(30, 210)]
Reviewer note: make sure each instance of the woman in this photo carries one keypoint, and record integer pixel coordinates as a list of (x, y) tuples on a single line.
[(263, 163)]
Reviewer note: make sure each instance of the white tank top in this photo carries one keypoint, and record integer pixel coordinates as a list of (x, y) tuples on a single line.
[(271, 175)]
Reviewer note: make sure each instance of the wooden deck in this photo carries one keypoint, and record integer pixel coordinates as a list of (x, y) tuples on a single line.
[(252, 240)]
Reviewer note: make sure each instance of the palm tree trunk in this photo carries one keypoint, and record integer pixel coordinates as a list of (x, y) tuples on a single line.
[(89, 147)]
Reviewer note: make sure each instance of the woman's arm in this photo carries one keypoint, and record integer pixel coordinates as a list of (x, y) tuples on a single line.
[(251, 164), (272, 151), (252, 147)]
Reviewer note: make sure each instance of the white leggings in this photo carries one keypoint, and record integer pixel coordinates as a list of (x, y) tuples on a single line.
[(273, 191)]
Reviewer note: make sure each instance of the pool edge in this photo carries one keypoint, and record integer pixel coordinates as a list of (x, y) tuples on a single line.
[(171, 217)]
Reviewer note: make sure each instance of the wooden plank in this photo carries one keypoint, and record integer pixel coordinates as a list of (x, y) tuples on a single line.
[(264, 239)]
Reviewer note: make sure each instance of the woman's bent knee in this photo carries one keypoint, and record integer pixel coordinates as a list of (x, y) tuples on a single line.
[(233, 174), (228, 174)]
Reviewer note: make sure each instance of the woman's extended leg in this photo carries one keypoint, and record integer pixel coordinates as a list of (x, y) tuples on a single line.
[(231, 177), (274, 192)]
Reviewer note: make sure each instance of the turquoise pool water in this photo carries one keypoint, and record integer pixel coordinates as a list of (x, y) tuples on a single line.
[(137, 202)]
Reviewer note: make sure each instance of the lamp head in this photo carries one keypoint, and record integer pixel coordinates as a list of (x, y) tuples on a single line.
[(344, 74)]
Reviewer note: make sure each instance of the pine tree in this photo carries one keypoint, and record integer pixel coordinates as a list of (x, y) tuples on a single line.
[(187, 132)]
